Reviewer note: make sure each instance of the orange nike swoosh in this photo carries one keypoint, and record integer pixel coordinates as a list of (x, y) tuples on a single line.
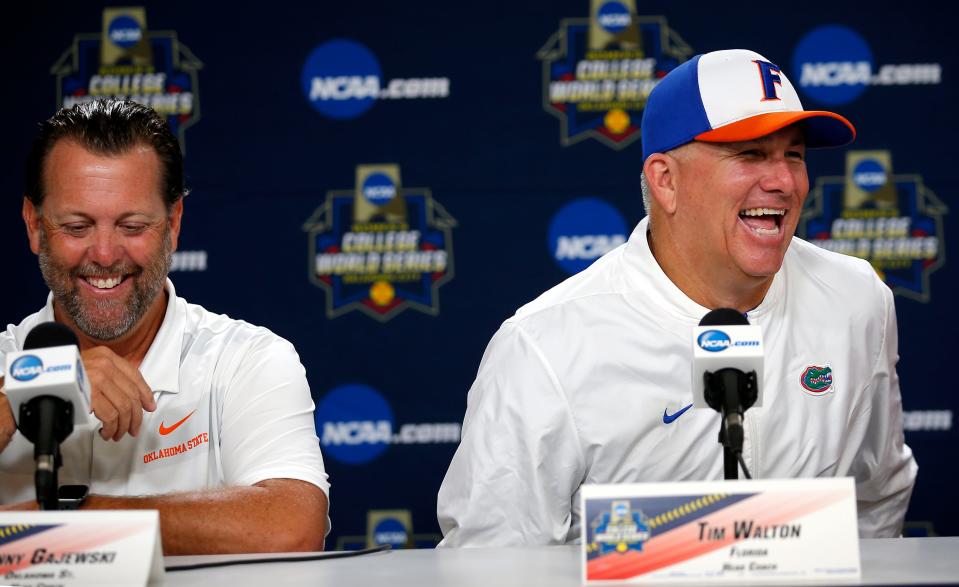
[(164, 430)]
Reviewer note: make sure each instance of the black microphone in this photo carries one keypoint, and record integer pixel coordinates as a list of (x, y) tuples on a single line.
[(733, 388), (724, 317), (47, 420)]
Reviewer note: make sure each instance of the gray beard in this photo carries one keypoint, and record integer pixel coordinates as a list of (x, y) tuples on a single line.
[(147, 284)]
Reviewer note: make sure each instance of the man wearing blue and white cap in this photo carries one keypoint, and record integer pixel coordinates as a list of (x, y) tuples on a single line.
[(590, 382)]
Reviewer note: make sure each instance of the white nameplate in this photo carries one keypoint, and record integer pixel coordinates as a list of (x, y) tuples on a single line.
[(721, 531), (80, 548)]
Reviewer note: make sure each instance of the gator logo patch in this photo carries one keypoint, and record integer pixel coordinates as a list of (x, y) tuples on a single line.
[(817, 380)]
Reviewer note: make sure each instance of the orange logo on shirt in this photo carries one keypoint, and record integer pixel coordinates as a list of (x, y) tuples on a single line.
[(172, 451), (164, 430)]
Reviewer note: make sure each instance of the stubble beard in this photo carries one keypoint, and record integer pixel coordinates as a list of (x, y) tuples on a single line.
[(106, 320)]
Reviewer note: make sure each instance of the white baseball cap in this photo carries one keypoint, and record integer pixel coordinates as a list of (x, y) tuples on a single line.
[(732, 95)]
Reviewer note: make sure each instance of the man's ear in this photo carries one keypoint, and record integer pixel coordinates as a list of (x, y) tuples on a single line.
[(176, 215), (32, 219), (661, 173)]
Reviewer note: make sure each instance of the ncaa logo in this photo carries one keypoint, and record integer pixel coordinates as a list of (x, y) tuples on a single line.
[(341, 79), (834, 64), (378, 189), (26, 368), (869, 175), (355, 423), (124, 32), (390, 531), (584, 230), (713, 341), (613, 17), (620, 509)]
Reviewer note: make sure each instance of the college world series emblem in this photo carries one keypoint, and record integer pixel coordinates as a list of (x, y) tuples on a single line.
[(380, 248), (599, 71), (618, 529), (891, 220), (125, 60)]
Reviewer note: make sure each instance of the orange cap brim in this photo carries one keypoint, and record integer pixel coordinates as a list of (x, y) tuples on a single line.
[(822, 128)]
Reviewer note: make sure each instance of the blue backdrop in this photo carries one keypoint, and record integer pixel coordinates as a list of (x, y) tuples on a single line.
[(477, 154)]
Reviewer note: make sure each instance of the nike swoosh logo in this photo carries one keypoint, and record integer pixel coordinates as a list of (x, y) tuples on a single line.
[(667, 418), (165, 430)]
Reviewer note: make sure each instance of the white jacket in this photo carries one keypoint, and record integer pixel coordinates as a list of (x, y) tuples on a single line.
[(573, 389)]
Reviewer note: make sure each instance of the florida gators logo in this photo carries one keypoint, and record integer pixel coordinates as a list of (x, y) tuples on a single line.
[(817, 380)]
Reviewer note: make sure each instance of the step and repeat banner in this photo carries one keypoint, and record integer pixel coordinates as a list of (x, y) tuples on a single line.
[(384, 183)]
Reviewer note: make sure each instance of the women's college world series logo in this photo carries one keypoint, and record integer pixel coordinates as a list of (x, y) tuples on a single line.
[(599, 71), (891, 220), (127, 61), (380, 248)]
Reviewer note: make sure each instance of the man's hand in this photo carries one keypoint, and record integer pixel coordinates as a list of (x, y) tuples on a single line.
[(7, 424), (118, 393)]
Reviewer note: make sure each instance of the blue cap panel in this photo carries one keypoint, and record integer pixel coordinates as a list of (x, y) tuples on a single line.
[(825, 131), (674, 112)]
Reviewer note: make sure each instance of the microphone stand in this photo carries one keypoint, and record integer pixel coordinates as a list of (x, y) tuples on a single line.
[(46, 421), (730, 462), (730, 392)]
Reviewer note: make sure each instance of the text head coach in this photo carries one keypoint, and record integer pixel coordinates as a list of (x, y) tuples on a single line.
[(590, 382), (207, 419)]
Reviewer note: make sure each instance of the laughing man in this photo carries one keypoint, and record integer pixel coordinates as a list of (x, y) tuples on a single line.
[(207, 419), (589, 382)]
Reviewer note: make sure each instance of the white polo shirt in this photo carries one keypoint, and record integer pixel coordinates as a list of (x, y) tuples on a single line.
[(233, 409), (584, 384)]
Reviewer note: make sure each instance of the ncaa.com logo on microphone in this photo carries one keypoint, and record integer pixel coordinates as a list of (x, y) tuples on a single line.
[(715, 341), (26, 368)]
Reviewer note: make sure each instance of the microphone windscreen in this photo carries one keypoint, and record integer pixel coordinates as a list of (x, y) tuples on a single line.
[(48, 334), (723, 317)]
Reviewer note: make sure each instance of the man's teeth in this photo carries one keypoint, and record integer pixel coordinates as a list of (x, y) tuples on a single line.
[(767, 220), (762, 212), (104, 283)]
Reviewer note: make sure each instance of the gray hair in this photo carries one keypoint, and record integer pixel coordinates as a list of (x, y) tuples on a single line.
[(675, 153), (647, 198)]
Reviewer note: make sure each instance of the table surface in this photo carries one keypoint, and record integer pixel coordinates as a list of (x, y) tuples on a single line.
[(905, 561)]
